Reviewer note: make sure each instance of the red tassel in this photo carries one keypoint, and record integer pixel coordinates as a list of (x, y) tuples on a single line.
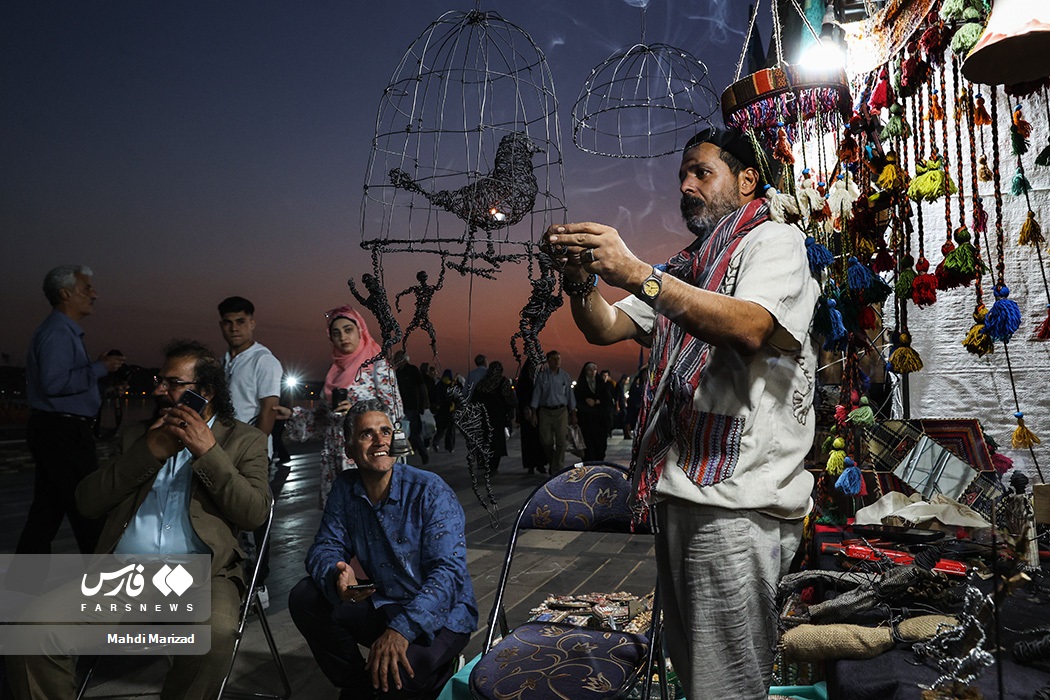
[(1023, 127), (841, 414), (783, 152), (980, 112), (866, 318), (883, 261), (1001, 463), (880, 96), (924, 288), (1042, 332)]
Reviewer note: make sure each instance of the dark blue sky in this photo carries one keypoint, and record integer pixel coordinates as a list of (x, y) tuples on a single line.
[(189, 151)]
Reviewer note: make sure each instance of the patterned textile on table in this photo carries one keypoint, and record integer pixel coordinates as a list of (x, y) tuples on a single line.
[(540, 660), (545, 659)]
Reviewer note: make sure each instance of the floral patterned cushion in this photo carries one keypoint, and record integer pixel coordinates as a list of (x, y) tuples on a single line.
[(541, 660), (594, 497)]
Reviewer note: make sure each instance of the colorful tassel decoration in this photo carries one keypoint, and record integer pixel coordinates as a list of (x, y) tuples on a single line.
[(1001, 463), (981, 117), (1023, 438), (963, 105), (835, 338), (977, 341), (866, 318), (782, 207), (952, 10), (1020, 124), (848, 150), (1018, 143), (851, 481), (924, 288), (984, 173), (904, 359), (967, 35), (783, 151), (819, 256), (931, 181), (896, 127), (1004, 318), (1020, 185), (880, 96), (936, 113), (863, 415), (964, 261), (859, 275), (825, 447), (883, 261), (906, 278), (1031, 231), (892, 177), (1042, 331), (980, 217), (837, 458)]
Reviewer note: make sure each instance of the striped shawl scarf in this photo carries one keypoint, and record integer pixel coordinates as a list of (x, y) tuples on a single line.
[(683, 358)]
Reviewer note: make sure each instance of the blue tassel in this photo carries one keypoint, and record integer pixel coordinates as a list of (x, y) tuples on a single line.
[(864, 381), (836, 337), (819, 256), (1020, 184), (850, 480), (1004, 318), (860, 276)]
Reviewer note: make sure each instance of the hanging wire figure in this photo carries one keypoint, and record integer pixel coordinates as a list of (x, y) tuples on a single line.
[(472, 420), (544, 300), (379, 305), (424, 294)]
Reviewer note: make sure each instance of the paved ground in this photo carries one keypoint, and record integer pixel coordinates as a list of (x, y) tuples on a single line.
[(547, 563)]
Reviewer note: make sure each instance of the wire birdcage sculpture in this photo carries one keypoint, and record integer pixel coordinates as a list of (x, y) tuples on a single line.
[(466, 159), (643, 102)]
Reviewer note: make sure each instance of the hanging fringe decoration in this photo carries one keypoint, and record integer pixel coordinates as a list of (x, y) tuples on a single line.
[(924, 287), (1042, 331), (837, 458), (896, 127), (984, 173), (980, 217), (1020, 185), (782, 207), (851, 480), (880, 95), (819, 256), (980, 112), (977, 340), (906, 278), (964, 261), (936, 112), (931, 181), (783, 151), (892, 178), (863, 415), (1004, 318), (1023, 438), (904, 359)]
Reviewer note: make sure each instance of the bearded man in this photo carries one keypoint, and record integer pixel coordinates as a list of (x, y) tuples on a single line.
[(727, 418)]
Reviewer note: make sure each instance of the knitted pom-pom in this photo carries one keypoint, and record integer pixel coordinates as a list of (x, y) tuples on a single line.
[(1023, 438), (862, 415), (1042, 331), (1001, 463), (1031, 231), (1004, 318), (819, 256), (1019, 185), (904, 359), (851, 480)]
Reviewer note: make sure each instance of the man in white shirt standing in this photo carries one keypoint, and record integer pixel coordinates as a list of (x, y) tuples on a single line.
[(254, 378)]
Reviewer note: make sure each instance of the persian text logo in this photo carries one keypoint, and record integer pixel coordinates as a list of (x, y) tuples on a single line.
[(130, 579)]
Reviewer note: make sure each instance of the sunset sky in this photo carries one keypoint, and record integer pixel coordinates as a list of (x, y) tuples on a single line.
[(190, 151)]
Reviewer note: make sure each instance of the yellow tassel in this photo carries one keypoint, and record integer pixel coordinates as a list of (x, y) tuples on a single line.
[(904, 359), (976, 340), (836, 462), (1031, 232), (892, 177), (1023, 438), (984, 173)]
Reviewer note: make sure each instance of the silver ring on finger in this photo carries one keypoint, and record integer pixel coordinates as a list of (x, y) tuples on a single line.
[(588, 255)]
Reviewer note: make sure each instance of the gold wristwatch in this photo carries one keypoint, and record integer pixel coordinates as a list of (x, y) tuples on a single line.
[(651, 286)]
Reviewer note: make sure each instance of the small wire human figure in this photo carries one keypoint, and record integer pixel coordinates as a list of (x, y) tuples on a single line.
[(379, 305), (544, 300), (424, 296)]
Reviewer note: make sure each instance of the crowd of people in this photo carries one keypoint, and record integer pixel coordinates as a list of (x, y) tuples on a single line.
[(723, 416)]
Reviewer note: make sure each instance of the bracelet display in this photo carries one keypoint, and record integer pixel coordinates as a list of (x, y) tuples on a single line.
[(580, 289)]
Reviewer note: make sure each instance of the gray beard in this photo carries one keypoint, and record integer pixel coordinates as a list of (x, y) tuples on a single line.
[(701, 218)]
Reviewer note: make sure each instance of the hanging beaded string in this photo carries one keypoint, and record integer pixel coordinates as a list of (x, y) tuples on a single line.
[(974, 127), (944, 154), (958, 139), (1000, 263), (918, 135), (974, 192)]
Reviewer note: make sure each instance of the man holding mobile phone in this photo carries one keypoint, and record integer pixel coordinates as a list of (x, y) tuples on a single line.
[(213, 464), (416, 610)]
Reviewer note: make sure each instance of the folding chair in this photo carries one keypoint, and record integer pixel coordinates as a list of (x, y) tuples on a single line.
[(555, 659), (249, 604)]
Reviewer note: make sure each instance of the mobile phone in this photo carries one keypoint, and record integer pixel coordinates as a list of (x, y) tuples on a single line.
[(339, 396), (193, 400), (361, 585)]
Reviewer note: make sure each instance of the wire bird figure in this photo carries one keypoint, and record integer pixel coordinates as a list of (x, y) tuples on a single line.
[(544, 300), (466, 159), (471, 418), (424, 296)]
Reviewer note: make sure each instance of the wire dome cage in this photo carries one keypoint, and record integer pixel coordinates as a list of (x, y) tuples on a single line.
[(466, 160), (643, 102)]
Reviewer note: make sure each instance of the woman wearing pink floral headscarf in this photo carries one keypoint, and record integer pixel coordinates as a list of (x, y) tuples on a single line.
[(352, 346)]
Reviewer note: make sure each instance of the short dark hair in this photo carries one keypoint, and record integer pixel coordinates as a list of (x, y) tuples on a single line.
[(207, 373), (479, 360), (551, 353), (359, 409), (236, 305), (734, 148)]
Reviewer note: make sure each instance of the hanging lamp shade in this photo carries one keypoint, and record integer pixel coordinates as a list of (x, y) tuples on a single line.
[(1015, 45), (643, 102), (786, 95)]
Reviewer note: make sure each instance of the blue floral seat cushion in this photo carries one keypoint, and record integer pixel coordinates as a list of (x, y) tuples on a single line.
[(541, 660), (588, 497)]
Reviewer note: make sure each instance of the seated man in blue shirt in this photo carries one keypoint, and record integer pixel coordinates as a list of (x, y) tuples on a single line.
[(417, 610)]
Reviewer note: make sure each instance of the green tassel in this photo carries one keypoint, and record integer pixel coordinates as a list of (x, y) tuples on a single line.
[(1018, 143), (952, 10), (905, 278), (964, 260), (863, 415), (966, 38), (1020, 184), (896, 127), (1044, 157)]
